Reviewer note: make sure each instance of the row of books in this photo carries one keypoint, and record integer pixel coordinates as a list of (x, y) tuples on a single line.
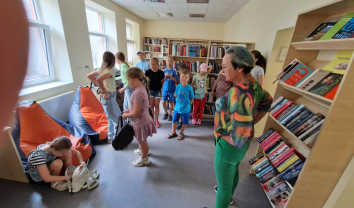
[(211, 98), (298, 119), (209, 110), (193, 66), (217, 52), (159, 56), (155, 41), (152, 49), (216, 67), (339, 27), (210, 82), (187, 50)]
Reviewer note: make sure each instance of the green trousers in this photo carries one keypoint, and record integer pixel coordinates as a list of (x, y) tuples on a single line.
[(226, 161)]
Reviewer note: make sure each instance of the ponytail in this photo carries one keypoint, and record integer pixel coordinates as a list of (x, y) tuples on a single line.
[(262, 62), (120, 56), (148, 93)]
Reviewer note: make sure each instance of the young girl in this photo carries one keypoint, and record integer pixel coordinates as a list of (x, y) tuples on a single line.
[(139, 111), (199, 82), (259, 67), (106, 82), (156, 79), (49, 161), (126, 88)]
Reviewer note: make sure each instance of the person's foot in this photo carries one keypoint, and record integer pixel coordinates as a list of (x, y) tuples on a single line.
[(138, 152), (141, 162), (157, 124), (180, 136), (216, 189), (165, 116), (194, 121), (170, 117), (59, 185), (173, 134), (199, 122), (179, 125)]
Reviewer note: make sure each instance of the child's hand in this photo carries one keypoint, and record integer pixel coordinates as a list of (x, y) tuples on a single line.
[(175, 95), (124, 116), (105, 96), (121, 90)]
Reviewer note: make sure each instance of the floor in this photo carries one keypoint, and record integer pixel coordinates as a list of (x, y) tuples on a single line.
[(181, 175)]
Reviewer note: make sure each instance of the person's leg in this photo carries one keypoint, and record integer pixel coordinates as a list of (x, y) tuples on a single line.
[(240, 155), (114, 111), (164, 101), (184, 126), (127, 94), (152, 106), (201, 109), (157, 108), (144, 148), (195, 108), (175, 119), (55, 167), (110, 127), (185, 121)]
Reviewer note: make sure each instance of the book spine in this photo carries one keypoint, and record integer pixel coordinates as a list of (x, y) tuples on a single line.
[(274, 141), (313, 123), (258, 161), (279, 106), (315, 127), (295, 172), (277, 150), (265, 135), (286, 112), (269, 139), (287, 105), (270, 148), (275, 103), (268, 176), (276, 147), (292, 166), (283, 157), (301, 121), (287, 163), (293, 122), (293, 114), (278, 155)]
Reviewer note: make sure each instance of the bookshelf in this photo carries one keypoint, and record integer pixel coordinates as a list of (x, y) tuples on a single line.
[(327, 159), (156, 47)]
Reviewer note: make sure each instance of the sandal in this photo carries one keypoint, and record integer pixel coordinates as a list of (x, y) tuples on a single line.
[(180, 136), (169, 136)]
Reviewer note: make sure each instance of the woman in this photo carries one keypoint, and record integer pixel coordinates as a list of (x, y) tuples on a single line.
[(126, 87), (236, 113), (222, 86), (259, 67)]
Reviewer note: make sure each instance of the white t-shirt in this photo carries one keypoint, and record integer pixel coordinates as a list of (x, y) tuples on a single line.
[(256, 72)]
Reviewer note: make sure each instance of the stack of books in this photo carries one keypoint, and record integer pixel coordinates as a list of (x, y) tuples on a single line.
[(187, 50), (154, 41)]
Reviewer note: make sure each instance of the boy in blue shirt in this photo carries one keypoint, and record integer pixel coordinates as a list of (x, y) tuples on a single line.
[(184, 98), (169, 88)]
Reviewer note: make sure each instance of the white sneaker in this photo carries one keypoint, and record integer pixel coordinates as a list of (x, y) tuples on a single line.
[(60, 185), (141, 162), (138, 152), (109, 141)]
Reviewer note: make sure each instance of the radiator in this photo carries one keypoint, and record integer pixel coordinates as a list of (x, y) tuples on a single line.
[(58, 106)]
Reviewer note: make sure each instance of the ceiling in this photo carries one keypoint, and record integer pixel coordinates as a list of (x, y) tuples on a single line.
[(216, 11)]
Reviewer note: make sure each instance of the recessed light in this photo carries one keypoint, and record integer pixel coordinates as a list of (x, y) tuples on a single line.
[(197, 15), (198, 1), (162, 14)]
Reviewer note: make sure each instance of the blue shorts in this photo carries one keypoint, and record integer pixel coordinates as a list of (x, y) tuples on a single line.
[(155, 94), (185, 118), (166, 95)]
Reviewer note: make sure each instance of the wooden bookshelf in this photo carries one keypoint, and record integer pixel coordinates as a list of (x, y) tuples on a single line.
[(334, 147)]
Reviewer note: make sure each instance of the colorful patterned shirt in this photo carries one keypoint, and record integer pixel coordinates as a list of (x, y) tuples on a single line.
[(235, 111)]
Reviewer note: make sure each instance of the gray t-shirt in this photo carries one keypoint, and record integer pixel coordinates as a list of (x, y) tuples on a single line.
[(257, 71)]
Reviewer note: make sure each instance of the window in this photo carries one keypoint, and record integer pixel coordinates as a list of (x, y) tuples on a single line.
[(39, 68), (98, 39), (130, 43), (128, 29)]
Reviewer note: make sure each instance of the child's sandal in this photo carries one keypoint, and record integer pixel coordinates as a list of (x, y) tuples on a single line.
[(180, 136), (169, 136)]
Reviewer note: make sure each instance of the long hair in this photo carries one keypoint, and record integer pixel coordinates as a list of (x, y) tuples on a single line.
[(58, 144), (121, 57), (262, 62), (108, 61), (136, 72)]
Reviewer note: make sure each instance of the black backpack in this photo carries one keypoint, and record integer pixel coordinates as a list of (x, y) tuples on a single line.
[(124, 136)]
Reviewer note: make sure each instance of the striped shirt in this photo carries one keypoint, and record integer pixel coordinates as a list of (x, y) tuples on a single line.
[(38, 159)]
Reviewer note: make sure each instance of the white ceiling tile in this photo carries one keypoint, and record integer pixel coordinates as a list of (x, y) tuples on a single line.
[(241, 1), (233, 12), (221, 1), (143, 9), (215, 11), (213, 15), (179, 10), (197, 6), (236, 7), (185, 15), (179, 5), (197, 19), (174, 1), (157, 5), (219, 6), (227, 16), (163, 10), (197, 11)]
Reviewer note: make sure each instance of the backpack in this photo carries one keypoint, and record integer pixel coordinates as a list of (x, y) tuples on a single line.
[(81, 178), (124, 136)]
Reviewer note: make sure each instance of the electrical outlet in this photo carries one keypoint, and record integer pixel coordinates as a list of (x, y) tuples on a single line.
[(87, 66), (79, 67)]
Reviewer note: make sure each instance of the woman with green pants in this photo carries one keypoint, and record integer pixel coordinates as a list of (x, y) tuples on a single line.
[(236, 113)]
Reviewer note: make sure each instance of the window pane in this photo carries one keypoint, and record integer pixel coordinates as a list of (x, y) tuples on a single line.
[(38, 57), (130, 47), (30, 9), (128, 29), (94, 21), (98, 47)]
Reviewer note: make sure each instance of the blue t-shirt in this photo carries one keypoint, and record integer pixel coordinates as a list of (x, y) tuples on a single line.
[(143, 65), (183, 100), (169, 84)]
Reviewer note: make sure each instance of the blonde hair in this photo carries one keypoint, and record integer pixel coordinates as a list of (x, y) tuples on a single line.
[(155, 59), (108, 61), (58, 144), (170, 57)]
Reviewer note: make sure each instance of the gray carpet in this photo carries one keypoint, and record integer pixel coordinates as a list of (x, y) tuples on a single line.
[(181, 175)]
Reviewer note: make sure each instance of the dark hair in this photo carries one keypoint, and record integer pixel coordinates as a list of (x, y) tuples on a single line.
[(121, 57), (183, 66), (136, 72), (155, 59), (262, 62), (108, 61), (58, 144), (184, 71), (241, 58)]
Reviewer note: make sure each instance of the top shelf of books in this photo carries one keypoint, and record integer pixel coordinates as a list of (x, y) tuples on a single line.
[(337, 44)]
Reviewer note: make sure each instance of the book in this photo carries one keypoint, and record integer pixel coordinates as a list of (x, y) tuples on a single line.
[(294, 172), (270, 148), (298, 118), (292, 166), (312, 80), (293, 114), (264, 171), (265, 178), (272, 183), (307, 125), (331, 93), (287, 105), (287, 163), (305, 135), (287, 69), (345, 31), (339, 63), (301, 121), (279, 195), (276, 140), (275, 103), (311, 139), (291, 110), (298, 73), (280, 105), (286, 111), (343, 21), (279, 154), (278, 150), (265, 135), (262, 167), (269, 139), (283, 157), (321, 29), (326, 84), (280, 144)]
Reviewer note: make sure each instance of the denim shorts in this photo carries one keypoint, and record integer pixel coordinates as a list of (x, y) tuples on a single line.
[(155, 93), (33, 171)]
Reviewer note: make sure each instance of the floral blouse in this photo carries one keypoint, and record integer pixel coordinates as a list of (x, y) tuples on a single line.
[(235, 111)]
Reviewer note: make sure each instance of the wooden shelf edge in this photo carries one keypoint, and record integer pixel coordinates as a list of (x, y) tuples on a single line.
[(338, 44)]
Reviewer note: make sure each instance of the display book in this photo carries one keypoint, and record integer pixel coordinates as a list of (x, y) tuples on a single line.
[(187, 49), (338, 27), (275, 165), (323, 82)]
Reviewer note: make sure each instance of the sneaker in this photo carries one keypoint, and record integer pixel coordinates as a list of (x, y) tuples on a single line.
[(141, 162), (138, 152), (109, 141), (165, 116), (179, 126), (199, 122), (194, 121), (157, 124), (169, 117), (60, 185)]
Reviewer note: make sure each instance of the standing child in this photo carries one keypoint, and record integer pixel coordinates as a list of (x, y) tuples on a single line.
[(169, 88), (106, 82), (126, 88), (156, 79), (184, 94), (181, 68), (139, 111), (199, 82)]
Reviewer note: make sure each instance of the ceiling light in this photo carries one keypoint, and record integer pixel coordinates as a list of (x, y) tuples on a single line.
[(161, 14), (198, 1), (197, 15), (155, 1)]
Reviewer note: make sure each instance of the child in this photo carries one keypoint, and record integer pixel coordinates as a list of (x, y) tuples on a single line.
[(126, 88), (184, 94), (156, 79), (199, 82), (181, 68), (139, 111), (169, 88), (106, 82), (49, 161)]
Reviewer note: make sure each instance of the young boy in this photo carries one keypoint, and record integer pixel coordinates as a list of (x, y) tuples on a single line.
[(169, 88), (181, 68), (184, 97)]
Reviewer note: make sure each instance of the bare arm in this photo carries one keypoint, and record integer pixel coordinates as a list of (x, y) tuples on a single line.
[(45, 174), (261, 79), (91, 76), (193, 83), (209, 69), (213, 88), (78, 156), (136, 113)]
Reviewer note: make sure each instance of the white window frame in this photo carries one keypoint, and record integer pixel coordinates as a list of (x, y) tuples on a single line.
[(47, 36), (131, 41), (131, 34)]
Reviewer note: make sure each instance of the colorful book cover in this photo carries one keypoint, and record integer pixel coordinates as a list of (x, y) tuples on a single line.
[(282, 109), (343, 21), (293, 114), (280, 105), (311, 130), (321, 29), (287, 69), (300, 72), (294, 172), (279, 195), (272, 182), (345, 31), (312, 80), (287, 163), (332, 93), (326, 84), (287, 112), (340, 62)]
